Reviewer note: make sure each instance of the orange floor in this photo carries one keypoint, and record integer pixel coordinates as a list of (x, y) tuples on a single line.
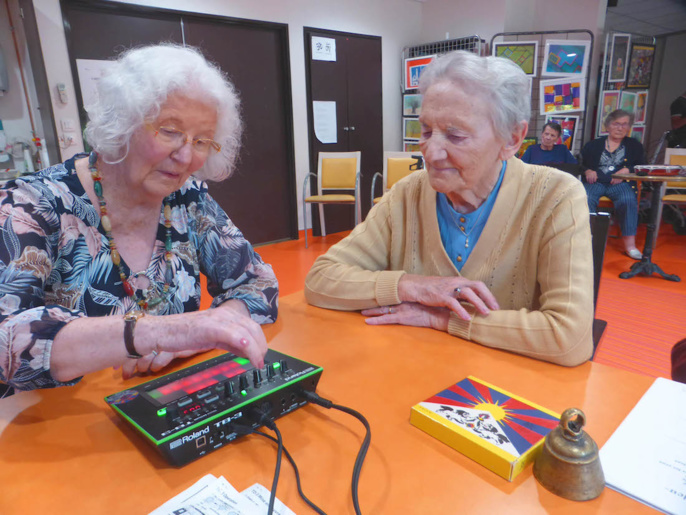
[(645, 315)]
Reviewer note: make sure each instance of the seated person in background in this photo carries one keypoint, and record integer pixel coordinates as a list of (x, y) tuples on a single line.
[(677, 110), (615, 153), (93, 244), (478, 244), (548, 152)]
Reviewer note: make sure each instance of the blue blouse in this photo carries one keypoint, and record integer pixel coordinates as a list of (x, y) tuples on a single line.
[(458, 244)]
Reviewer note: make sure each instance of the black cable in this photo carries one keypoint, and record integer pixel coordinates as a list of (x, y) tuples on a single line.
[(264, 419), (357, 469), (297, 473)]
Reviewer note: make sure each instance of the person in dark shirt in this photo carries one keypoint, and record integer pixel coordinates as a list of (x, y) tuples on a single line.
[(548, 152), (678, 111)]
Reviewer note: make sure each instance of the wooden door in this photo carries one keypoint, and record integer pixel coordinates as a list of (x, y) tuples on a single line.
[(353, 81)]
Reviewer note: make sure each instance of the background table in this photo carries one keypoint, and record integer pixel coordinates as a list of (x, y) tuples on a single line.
[(65, 451)]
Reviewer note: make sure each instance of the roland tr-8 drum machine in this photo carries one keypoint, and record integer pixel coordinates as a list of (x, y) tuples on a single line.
[(191, 412)]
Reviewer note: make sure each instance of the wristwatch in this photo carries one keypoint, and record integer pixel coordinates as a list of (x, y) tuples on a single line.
[(130, 320)]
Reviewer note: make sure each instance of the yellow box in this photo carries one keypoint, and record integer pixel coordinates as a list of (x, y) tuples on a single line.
[(496, 428)]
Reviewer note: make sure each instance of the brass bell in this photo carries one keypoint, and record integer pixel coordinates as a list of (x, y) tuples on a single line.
[(569, 465)]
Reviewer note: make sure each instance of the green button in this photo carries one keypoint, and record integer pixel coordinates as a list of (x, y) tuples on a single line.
[(161, 412), (242, 361), (277, 364), (244, 393)]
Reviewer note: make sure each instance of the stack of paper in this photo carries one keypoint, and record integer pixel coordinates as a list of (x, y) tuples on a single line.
[(211, 495), (645, 458)]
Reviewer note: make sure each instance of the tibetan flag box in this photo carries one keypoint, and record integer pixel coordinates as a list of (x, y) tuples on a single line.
[(493, 427)]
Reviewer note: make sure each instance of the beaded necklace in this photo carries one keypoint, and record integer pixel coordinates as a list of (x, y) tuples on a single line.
[(146, 298)]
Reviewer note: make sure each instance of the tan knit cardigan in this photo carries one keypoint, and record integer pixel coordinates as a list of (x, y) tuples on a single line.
[(534, 254)]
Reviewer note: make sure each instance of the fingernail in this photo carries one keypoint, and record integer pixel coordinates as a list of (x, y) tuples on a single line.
[(244, 342)]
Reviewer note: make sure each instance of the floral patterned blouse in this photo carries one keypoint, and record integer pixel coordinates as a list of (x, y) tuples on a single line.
[(55, 267)]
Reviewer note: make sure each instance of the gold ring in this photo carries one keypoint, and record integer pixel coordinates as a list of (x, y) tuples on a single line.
[(390, 310)]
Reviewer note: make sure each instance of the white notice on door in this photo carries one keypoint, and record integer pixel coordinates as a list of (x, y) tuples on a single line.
[(323, 49), (325, 121)]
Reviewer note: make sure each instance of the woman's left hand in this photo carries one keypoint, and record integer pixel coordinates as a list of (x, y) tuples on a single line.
[(151, 363), (623, 171), (409, 313)]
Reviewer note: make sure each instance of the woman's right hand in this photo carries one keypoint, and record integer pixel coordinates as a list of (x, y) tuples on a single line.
[(443, 291), (591, 176)]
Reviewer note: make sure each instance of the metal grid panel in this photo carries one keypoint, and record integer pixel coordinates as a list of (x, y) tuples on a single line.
[(541, 37)]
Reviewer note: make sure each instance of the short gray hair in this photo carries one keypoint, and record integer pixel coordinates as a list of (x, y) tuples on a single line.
[(616, 115), (133, 91), (499, 80)]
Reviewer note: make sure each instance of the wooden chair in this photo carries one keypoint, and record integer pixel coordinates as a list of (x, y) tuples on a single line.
[(335, 171), (396, 165), (600, 225), (676, 191)]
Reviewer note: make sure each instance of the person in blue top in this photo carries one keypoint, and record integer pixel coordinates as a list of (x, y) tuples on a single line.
[(548, 152)]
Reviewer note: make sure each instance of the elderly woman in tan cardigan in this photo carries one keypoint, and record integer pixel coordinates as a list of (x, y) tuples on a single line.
[(479, 244)]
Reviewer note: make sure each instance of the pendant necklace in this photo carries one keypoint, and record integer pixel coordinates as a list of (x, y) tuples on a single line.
[(146, 297)]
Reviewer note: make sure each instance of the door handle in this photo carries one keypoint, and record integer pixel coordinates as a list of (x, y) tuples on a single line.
[(346, 128), (352, 128)]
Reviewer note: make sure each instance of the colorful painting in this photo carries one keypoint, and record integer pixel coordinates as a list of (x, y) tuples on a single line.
[(641, 107), (523, 53), (526, 143), (637, 133), (562, 96), (628, 102), (565, 58), (619, 57), (410, 146), (640, 66), (569, 125), (412, 105), (412, 129), (609, 101), (413, 70)]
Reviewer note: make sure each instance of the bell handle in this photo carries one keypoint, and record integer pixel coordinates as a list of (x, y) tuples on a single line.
[(572, 422)]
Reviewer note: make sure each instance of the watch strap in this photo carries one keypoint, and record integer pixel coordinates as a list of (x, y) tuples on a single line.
[(130, 320)]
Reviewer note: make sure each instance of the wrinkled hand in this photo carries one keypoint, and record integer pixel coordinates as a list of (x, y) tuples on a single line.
[(442, 292), (409, 313), (591, 176), (623, 171), (152, 363)]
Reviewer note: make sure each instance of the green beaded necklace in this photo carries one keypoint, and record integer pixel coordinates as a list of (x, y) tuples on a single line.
[(149, 297)]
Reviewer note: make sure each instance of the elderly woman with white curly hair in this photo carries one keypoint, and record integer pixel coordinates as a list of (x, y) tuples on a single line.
[(479, 244), (92, 245)]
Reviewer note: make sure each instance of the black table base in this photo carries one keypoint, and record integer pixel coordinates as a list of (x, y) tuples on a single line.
[(646, 266)]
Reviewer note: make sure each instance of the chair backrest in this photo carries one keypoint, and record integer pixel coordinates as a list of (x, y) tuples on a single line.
[(396, 165), (675, 156), (338, 170), (600, 226)]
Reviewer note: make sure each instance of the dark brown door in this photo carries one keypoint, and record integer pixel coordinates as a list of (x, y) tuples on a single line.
[(260, 197), (353, 81)]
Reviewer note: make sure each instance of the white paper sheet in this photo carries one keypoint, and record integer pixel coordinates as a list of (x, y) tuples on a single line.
[(645, 458), (258, 496), (323, 49), (325, 121), (90, 71)]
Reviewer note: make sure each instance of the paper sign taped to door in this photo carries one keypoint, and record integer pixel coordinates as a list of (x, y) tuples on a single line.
[(325, 121), (323, 49)]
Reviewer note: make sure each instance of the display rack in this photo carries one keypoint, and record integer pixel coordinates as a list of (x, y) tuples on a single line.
[(538, 118)]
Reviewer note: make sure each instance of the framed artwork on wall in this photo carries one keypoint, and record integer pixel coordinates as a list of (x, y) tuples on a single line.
[(412, 105), (526, 143), (619, 57), (628, 102), (562, 96), (566, 58), (523, 53), (640, 66), (410, 146), (569, 125), (641, 107), (413, 70), (609, 101), (638, 133), (412, 129)]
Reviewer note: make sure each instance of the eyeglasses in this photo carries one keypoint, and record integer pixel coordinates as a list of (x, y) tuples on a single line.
[(616, 125), (176, 139)]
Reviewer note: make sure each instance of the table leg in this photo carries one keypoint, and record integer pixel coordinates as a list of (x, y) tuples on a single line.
[(646, 266)]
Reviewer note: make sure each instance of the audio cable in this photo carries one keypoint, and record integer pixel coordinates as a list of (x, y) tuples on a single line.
[(264, 419), (357, 469)]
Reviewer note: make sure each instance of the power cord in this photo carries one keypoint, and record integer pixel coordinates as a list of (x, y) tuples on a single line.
[(264, 419), (357, 469)]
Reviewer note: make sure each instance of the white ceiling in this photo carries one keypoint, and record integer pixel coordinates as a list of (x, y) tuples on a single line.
[(647, 17)]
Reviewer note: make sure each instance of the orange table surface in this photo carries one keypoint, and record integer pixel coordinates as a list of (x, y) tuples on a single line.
[(65, 450)]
